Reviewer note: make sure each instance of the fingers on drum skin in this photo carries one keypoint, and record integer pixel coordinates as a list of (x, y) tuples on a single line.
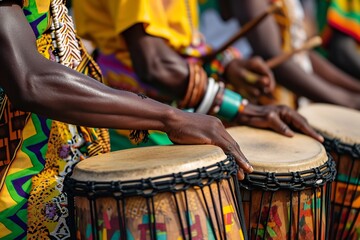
[(299, 122), (240, 174), (233, 148), (243, 163), (302, 125), (278, 125)]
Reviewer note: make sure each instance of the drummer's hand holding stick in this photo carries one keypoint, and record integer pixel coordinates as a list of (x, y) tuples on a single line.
[(253, 78), (250, 77)]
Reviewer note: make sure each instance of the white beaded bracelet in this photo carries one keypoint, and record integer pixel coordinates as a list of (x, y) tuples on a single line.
[(209, 97)]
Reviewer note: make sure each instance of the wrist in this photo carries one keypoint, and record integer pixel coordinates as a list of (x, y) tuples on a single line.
[(230, 104), (170, 118)]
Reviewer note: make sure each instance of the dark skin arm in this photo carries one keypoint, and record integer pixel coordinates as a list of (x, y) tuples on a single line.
[(327, 70), (265, 41), (167, 66), (38, 85), (344, 52), (158, 64), (165, 69)]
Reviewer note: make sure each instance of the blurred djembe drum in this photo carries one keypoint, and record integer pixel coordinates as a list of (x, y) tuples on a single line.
[(341, 129), (288, 194), (161, 192)]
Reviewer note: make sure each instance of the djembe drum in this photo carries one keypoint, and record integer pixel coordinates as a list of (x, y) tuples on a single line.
[(341, 129), (162, 192), (288, 194)]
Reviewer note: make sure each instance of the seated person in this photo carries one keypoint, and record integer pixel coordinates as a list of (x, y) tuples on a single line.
[(307, 74), (339, 23), (155, 48)]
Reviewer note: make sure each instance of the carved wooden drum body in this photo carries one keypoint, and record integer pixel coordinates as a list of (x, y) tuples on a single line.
[(288, 194), (341, 128), (162, 192)]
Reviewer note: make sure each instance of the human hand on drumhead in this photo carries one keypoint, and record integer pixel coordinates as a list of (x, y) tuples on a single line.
[(251, 77), (193, 128), (277, 117)]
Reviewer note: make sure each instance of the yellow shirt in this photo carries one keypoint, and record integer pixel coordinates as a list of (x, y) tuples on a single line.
[(103, 21)]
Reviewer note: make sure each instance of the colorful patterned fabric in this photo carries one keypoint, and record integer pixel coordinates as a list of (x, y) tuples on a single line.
[(38, 15), (344, 15), (174, 21), (32, 202), (208, 4)]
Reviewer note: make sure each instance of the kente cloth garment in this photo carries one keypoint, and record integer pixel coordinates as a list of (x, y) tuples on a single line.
[(102, 22), (344, 15), (32, 202)]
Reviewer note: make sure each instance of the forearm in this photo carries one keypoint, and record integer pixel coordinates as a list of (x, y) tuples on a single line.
[(38, 85), (290, 75), (97, 105), (158, 65), (331, 73), (60, 93), (265, 38), (266, 42), (344, 52)]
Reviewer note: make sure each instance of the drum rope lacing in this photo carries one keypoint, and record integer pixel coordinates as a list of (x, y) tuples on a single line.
[(151, 186), (342, 148), (339, 148), (173, 183), (293, 181)]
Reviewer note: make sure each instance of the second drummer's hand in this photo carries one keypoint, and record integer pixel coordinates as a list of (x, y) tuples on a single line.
[(193, 128), (251, 76), (277, 117)]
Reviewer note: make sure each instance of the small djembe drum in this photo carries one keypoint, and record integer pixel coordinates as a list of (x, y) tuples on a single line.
[(288, 194), (162, 192), (341, 129)]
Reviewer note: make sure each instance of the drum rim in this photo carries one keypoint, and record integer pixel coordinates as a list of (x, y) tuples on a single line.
[(149, 162), (151, 186), (301, 162), (306, 111), (337, 145), (293, 181)]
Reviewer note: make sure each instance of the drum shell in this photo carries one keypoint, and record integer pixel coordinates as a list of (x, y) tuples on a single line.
[(345, 197), (285, 206), (206, 206), (289, 174), (340, 127)]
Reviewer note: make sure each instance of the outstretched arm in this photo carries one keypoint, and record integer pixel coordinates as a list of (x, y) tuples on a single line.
[(38, 85)]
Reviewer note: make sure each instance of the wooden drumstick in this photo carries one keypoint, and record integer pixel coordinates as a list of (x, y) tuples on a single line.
[(243, 31), (309, 44), (277, 60)]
